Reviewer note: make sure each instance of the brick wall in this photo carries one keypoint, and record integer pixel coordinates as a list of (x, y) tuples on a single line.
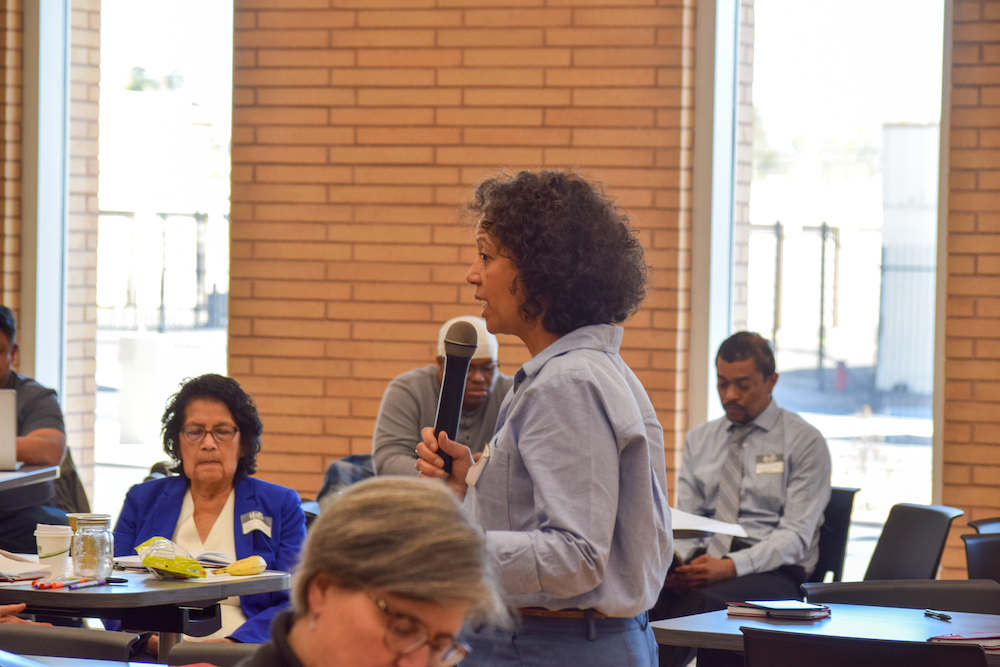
[(81, 297), (358, 128), (10, 236), (972, 342)]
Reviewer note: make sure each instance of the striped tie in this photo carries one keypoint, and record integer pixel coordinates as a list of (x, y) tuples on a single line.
[(727, 501)]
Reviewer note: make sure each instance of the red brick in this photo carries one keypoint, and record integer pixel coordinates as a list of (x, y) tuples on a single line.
[(602, 36), (483, 77), (406, 19), (489, 117), (324, 18), (304, 58), (518, 17)]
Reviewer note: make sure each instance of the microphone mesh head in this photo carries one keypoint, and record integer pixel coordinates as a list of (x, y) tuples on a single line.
[(461, 340)]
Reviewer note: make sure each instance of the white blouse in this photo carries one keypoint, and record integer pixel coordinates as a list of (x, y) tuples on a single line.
[(221, 539)]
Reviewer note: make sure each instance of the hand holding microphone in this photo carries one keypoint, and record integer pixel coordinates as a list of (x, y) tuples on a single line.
[(460, 344)]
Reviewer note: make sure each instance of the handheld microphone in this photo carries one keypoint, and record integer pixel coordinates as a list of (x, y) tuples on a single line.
[(459, 345)]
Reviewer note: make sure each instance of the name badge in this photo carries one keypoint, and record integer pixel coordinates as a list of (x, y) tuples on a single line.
[(475, 471), (256, 521), (770, 464)]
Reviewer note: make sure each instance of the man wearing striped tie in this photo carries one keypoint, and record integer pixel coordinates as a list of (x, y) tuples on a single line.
[(760, 466)]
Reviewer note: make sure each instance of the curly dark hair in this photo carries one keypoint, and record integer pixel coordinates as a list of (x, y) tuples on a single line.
[(579, 259), (227, 391)]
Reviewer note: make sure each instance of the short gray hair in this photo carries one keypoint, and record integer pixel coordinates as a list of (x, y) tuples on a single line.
[(405, 537)]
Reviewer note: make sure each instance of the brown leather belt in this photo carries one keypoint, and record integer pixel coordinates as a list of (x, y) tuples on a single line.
[(561, 613)]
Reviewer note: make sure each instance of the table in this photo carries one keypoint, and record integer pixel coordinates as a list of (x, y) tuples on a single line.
[(716, 630), (15, 479), (82, 662), (169, 607)]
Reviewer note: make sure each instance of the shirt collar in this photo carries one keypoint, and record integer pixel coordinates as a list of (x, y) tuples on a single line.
[(601, 337), (766, 420)]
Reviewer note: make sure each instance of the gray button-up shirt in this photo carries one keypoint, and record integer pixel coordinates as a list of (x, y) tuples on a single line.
[(573, 495), (786, 486), (410, 404)]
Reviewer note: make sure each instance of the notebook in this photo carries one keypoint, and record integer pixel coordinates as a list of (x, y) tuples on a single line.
[(786, 609), (8, 430)]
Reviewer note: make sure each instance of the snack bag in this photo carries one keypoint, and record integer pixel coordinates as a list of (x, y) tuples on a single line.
[(167, 560)]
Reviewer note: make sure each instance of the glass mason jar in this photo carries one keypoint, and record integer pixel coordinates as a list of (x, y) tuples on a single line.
[(93, 547)]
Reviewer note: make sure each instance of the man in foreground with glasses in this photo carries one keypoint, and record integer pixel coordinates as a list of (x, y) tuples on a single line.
[(390, 571), (211, 430), (410, 404)]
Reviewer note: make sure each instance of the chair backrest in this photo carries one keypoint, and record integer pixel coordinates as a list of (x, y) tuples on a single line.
[(982, 555), (990, 525), (976, 596), (220, 655), (344, 472), (311, 509), (65, 642), (773, 648), (911, 542), (833, 534)]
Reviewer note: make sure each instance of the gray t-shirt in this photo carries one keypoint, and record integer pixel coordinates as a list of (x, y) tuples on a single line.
[(410, 404), (37, 407)]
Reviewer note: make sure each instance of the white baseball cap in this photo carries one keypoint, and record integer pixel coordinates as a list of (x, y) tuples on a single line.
[(487, 343)]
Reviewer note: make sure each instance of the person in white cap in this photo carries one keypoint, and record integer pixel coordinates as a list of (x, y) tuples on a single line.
[(410, 403)]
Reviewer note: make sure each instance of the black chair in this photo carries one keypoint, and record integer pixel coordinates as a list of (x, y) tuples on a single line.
[(911, 542), (981, 596), (982, 556), (220, 655), (833, 534), (311, 509), (773, 648), (990, 525), (62, 642)]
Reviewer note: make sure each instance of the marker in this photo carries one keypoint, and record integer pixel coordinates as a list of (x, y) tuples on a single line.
[(940, 615), (87, 584)]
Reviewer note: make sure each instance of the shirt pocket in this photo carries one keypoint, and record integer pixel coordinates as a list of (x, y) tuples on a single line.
[(491, 492)]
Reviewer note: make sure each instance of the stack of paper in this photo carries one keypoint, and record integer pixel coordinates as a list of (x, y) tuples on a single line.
[(685, 524), (18, 568), (212, 558), (990, 640), (209, 559)]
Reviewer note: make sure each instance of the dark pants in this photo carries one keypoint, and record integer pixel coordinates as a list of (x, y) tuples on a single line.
[(780, 584), (17, 529)]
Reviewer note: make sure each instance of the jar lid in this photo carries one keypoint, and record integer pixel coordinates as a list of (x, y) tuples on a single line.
[(94, 520)]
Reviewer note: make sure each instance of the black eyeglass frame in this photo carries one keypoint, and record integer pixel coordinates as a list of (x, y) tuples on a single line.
[(446, 650)]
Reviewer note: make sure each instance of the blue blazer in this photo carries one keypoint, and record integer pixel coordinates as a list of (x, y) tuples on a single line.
[(152, 509)]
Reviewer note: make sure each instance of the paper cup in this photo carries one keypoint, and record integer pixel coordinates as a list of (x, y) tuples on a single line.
[(53, 546)]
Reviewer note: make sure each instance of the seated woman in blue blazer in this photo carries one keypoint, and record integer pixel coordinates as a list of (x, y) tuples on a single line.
[(212, 431)]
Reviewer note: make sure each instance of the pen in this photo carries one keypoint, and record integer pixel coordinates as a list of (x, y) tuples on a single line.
[(87, 584), (60, 584), (940, 615)]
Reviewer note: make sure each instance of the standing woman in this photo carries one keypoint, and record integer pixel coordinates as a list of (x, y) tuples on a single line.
[(572, 491)]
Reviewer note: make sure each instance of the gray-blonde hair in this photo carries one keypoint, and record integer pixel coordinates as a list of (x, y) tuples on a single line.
[(405, 537)]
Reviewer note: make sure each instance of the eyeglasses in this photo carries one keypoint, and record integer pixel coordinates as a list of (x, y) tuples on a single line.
[(221, 434), (485, 368), (405, 634)]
